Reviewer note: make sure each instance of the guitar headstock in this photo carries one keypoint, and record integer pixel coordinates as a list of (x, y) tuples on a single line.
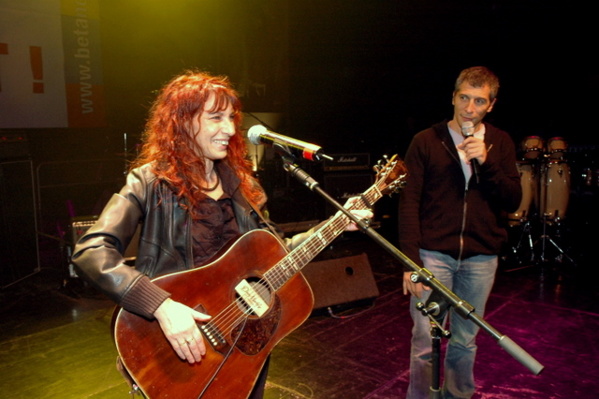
[(391, 174)]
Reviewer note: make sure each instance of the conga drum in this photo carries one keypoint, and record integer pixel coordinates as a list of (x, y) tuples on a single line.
[(532, 147), (529, 182), (555, 190), (556, 148)]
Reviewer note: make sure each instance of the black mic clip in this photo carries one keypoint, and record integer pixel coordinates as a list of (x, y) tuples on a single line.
[(435, 309)]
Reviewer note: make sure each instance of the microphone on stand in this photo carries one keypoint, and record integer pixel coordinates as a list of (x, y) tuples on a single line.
[(258, 134), (467, 131)]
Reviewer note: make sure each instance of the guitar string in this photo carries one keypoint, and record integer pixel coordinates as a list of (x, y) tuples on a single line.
[(233, 314), (371, 196), (338, 224), (312, 244), (236, 313), (229, 320)]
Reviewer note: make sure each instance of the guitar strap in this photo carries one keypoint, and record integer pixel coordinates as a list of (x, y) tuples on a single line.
[(267, 223)]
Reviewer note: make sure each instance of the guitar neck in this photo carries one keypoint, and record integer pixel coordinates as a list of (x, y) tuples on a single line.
[(293, 263)]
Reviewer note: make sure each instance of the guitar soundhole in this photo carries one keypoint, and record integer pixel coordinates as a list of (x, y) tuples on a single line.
[(252, 336), (262, 290)]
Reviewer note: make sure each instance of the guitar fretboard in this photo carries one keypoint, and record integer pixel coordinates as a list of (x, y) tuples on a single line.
[(291, 264)]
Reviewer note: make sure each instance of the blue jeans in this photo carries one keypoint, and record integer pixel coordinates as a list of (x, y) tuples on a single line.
[(471, 280)]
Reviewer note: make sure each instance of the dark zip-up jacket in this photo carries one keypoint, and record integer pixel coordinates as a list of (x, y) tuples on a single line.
[(438, 212), (165, 244)]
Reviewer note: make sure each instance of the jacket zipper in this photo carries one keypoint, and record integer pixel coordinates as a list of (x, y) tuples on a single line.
[(465, 205), (464, 212)]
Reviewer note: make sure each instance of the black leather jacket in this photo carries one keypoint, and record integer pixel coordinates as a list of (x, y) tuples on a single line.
[(165, 244)]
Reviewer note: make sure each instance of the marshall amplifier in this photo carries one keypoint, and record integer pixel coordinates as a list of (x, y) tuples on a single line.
[(347, 162), (14, 146), (342, 186), (80, 225)]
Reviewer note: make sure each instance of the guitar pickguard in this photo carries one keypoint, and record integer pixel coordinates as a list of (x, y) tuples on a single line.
[(253, 335)]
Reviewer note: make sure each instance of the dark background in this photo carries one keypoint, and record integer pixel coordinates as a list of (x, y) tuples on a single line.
[(352, 76)]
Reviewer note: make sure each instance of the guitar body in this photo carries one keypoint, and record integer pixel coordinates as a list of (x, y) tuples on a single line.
[(229, 369)]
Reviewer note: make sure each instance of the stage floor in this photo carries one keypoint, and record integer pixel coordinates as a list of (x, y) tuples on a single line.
[(56, 338)]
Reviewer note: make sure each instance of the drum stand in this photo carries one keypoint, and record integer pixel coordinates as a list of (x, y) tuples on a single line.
[(557, 219), (525, 234), (544, 238)]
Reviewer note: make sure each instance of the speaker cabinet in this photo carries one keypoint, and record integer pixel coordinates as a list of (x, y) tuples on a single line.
[(341, 281), (18, 222), (342, 186)]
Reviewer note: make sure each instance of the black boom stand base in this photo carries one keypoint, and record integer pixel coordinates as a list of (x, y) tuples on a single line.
[(435, 309)]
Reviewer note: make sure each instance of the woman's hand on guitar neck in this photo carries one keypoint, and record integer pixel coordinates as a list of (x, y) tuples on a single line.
[(179, 324), (363, 214)]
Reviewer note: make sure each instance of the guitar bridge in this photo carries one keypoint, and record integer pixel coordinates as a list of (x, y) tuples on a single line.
[(214, 336)]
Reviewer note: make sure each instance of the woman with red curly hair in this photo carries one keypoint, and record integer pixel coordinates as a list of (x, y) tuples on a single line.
[(191, 191), (185, 158)]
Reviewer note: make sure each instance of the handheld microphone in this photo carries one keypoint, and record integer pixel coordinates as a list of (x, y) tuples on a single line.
[(467, 131), (258, 134), (467, 128)]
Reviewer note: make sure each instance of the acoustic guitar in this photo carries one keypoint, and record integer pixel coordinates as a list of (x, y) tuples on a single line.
[(256, 295)]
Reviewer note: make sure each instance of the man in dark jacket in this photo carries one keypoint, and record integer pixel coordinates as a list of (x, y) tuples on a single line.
[(462, 179)]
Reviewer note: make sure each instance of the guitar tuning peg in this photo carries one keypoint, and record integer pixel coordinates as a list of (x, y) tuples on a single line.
[(379, 164)]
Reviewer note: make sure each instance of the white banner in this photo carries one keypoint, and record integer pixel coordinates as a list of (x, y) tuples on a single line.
[(50, 64)]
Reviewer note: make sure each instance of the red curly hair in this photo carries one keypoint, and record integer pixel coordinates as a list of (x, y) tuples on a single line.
[(171, 146)]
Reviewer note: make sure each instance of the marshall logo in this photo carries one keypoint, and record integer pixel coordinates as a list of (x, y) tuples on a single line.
[(340, 162)]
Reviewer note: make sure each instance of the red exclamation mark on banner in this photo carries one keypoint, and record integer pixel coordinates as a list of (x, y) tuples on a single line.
[(3, 50), (35, 54)]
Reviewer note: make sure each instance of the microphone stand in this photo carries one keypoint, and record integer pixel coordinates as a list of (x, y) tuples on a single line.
[(435, 309), (444, 297)]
